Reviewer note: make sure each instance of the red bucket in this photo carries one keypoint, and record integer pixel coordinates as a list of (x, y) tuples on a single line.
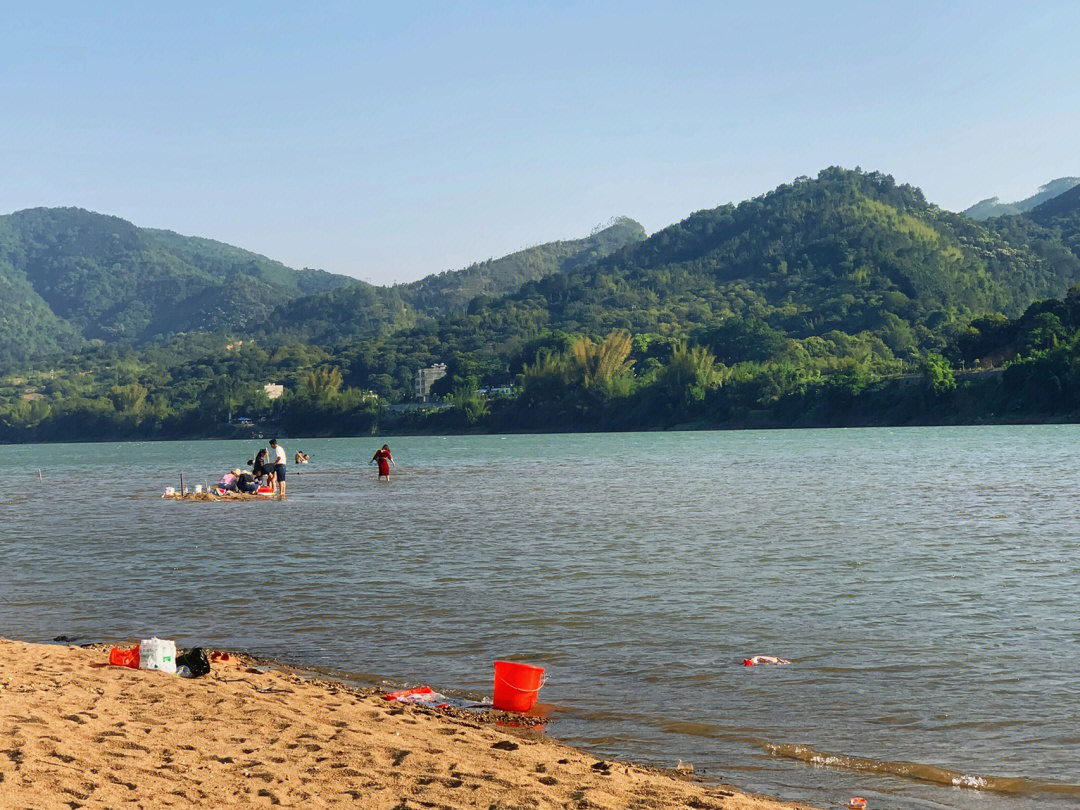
[(516, 686)]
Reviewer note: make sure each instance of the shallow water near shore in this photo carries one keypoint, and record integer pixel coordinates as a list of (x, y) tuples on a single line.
[(924, 582)]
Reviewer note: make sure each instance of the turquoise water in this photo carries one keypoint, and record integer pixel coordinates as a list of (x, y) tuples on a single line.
[(924, 582)]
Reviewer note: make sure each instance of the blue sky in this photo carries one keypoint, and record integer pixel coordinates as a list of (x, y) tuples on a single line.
[(392, 140)]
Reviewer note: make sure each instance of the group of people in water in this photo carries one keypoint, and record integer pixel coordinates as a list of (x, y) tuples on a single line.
[(268, 473)]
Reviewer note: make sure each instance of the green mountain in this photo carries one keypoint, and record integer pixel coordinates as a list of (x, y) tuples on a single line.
[(1062, 212), (799, 307), (74, 275), (364, 310), (993, 207), (68, 276), (494, 277), (847, 251)]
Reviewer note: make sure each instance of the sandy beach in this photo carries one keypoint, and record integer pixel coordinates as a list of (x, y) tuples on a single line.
[(77, 734)]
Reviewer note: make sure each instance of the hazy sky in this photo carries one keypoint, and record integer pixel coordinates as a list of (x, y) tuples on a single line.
[(392, 140)]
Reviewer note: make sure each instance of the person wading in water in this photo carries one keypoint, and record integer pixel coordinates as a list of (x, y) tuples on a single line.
[(279, 466), (383, 458)]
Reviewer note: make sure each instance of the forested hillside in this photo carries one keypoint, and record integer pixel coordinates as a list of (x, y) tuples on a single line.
[(68, 276), (447, 291), (843, 299), (846, 252), (366, 311), (994, 207), (75, 275)]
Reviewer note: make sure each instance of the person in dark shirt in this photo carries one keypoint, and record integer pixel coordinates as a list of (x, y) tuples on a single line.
[(245, 482), (261, 467)]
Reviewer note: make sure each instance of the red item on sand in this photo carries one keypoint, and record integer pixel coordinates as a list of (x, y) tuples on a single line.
[(517, 686), (419, 690), (124, 658)]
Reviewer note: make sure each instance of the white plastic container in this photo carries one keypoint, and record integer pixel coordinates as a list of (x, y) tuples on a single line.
[(198, 489), (158, 653), (170, 492)]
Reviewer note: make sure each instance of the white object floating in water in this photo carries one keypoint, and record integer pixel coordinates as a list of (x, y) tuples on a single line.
[(170, 492), (753, 661), (198, 489), (158, 653)]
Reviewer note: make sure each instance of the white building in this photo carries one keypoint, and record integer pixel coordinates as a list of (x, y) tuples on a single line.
[(425, 377), (273, 390)]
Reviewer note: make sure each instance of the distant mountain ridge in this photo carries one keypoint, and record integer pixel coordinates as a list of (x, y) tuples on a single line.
[(494, 277), (848, 250), (74, 275), (805, 297), (68, 276), (993, 207), (367, 311)]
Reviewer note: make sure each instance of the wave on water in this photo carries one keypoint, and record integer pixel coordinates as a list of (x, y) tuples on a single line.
[(923, 773)]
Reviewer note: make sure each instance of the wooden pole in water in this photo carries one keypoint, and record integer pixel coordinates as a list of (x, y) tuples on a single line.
[(39, 478), (181, 485)]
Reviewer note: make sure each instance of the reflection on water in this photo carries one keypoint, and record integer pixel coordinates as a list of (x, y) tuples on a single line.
[(922, 581)]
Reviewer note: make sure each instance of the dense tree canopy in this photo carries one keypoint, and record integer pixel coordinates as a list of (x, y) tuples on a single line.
[(845, 299)]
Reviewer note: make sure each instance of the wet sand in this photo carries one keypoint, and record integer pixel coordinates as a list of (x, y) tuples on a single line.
[(76, 734)]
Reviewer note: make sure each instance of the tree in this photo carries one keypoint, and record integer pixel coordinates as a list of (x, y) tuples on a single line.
[(938, 374), (687, 375), (324, 384), (128, 398), (602, 364), (1046, 332), (470, 403)]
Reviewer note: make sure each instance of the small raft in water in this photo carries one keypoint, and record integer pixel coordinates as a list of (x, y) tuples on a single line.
[(219, 494)]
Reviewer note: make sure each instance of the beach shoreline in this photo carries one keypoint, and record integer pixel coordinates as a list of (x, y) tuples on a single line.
[(79, 733)]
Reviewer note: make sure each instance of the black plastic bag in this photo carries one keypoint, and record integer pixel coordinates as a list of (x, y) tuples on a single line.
[(193, 663)]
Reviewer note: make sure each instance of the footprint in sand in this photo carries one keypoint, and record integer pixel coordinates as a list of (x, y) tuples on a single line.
[(15, 755)]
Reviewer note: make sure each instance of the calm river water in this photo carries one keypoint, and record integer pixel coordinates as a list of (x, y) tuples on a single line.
[(924, 582)]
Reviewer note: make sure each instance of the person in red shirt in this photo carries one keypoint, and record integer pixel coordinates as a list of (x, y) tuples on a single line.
[(383, 458)]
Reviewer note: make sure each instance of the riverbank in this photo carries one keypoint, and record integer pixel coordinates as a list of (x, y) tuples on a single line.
[(79, 734)]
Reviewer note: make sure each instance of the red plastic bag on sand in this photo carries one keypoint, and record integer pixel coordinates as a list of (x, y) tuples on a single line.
[(124, 658)]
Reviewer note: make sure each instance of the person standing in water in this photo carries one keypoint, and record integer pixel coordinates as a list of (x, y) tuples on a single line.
[(383, 458), (279, 466)]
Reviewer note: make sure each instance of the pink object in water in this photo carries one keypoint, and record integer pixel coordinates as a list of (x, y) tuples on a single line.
[(763, 659)]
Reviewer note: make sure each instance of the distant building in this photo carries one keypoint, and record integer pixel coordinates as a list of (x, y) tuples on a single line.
[(495, 390), (273, 390), (425, 377)]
